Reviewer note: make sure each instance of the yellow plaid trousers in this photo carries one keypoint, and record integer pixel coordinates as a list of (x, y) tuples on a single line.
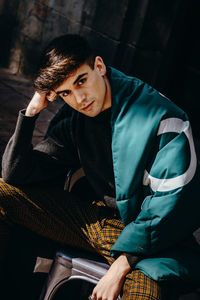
[(51, 212)]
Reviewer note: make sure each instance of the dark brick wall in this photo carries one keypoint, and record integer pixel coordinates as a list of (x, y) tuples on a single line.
[(130, 34), (155, 40)]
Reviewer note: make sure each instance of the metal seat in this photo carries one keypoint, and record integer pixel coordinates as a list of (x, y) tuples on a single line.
[(67, 267)]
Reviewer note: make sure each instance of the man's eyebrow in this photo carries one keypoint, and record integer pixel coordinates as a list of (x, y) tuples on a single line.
[(77, 79), (60, 92)]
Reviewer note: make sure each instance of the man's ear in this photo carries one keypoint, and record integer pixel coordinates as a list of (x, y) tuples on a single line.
[(100, 66)]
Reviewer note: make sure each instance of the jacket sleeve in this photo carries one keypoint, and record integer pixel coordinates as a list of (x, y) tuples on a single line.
[(170, 211), (22, 164)]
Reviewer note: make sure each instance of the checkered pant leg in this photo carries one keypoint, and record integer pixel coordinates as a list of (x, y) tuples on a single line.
[(92, 226), (47, 211), (137, 286)]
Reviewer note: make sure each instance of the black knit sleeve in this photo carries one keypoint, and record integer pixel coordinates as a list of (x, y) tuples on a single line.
[(54, 156), (132, 260)]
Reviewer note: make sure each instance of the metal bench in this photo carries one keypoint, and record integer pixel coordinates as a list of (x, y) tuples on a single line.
[(68, 267)]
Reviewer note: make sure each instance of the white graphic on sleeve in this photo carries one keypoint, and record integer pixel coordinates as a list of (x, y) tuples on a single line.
[(162, 185)]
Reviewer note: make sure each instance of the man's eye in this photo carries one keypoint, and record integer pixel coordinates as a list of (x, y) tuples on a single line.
[(65, 94), (81, 81)]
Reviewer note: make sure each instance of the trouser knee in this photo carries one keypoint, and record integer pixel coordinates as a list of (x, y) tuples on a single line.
[(9, 198), (5, 194), (6, 190)]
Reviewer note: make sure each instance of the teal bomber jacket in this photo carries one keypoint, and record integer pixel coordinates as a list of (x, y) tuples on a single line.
[(157, 180)]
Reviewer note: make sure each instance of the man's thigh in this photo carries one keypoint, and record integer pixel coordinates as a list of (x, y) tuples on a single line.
[(48, 211)]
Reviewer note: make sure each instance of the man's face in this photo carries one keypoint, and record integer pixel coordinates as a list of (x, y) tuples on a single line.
[(87, 90)]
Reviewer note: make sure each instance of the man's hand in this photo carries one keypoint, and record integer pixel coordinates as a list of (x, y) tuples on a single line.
[(39, 102), (109, 286)]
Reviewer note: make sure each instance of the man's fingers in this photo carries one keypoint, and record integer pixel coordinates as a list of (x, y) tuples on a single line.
[(51, 96)]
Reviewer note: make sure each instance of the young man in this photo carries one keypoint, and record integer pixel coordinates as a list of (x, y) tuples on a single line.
[(136, 150)]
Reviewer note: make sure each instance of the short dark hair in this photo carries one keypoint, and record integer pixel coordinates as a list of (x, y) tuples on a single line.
[(63, 56)]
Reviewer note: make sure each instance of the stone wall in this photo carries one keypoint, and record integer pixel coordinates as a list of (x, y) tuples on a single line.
[(38, 21), (153, 40), (129, 34)]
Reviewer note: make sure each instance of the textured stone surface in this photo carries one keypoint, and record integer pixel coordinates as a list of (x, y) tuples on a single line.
[(96, 39), (130, 63), (109, 18)]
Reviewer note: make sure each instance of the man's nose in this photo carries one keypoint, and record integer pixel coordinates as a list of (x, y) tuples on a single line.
[(80, 97)]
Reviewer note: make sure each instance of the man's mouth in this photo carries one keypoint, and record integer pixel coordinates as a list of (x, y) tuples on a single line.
[(88, 107)]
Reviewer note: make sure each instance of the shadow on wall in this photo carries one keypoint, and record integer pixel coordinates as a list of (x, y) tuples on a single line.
[(8, 24)]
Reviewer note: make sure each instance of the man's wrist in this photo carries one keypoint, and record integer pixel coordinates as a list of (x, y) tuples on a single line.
[(37, 103), (121, 265), (31, 112)]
